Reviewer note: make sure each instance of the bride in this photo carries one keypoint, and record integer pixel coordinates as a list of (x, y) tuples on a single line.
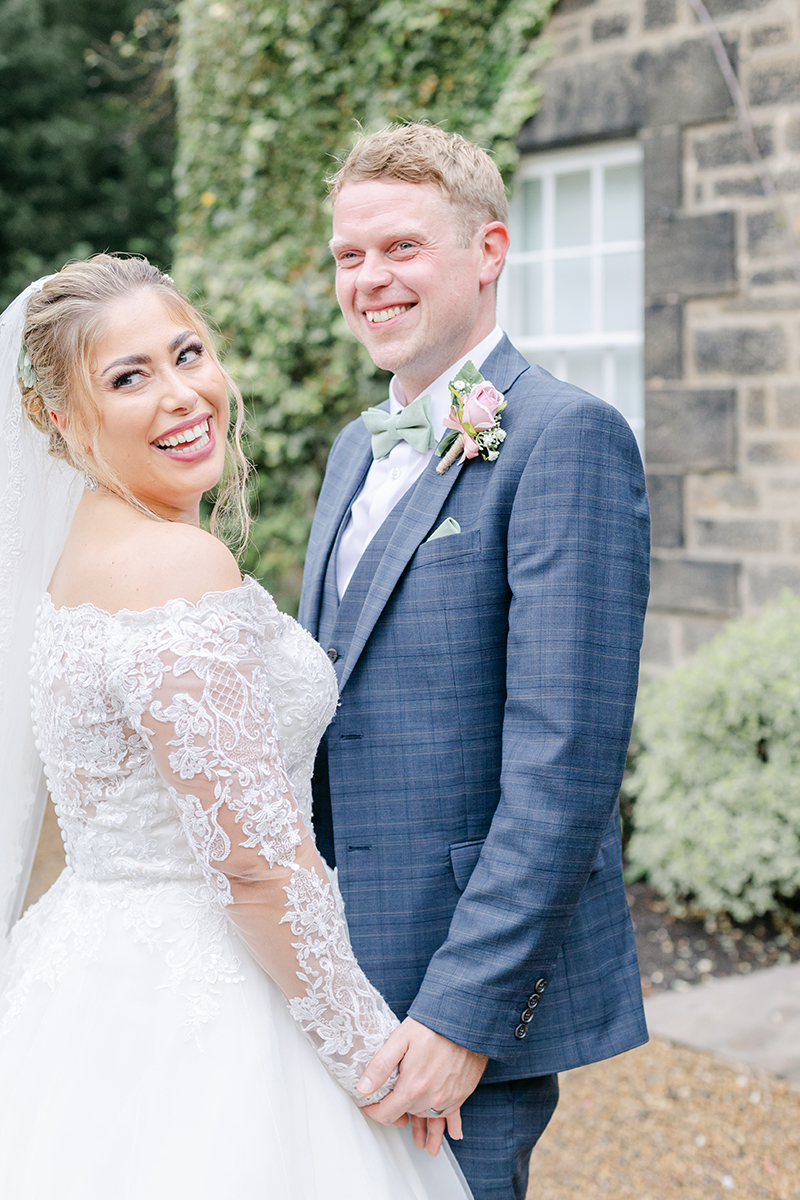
[(181, 1015)]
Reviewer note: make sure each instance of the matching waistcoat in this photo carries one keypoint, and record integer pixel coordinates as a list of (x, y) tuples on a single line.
[(337, 624)]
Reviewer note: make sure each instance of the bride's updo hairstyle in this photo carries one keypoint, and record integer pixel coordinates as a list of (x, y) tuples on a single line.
[(63, 323)]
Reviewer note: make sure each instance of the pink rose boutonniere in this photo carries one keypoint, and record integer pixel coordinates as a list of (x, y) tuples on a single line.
[(474, 420)]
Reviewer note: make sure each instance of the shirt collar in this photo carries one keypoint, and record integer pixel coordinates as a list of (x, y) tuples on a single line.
[(439, 391)]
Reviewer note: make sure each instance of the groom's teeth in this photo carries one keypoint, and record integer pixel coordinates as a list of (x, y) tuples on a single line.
[(386, 314), (187, 435)]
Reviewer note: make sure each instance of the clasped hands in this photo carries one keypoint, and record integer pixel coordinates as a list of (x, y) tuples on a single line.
[(433, 1073)]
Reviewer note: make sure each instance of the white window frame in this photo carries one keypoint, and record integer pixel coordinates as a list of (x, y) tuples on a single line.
[(545, 167)]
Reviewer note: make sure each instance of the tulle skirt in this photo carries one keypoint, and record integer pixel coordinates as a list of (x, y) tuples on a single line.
[(105, 1094)]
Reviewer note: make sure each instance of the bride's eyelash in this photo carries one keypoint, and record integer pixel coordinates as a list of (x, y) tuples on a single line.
[(197, 347)]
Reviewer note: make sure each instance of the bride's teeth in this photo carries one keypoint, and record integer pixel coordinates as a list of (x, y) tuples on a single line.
[(188, 435)]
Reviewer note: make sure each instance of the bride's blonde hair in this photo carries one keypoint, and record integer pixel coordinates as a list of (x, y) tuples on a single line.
[(63, 323)]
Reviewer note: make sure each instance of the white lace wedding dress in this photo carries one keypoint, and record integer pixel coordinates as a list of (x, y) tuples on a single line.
[(176, 1009)]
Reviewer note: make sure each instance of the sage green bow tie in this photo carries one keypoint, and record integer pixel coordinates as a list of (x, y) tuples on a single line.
[(413, 424)]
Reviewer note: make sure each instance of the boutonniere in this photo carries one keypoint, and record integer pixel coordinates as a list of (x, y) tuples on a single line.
[(474, 420)]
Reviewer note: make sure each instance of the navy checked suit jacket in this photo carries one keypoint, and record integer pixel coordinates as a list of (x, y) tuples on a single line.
[(486, 705)]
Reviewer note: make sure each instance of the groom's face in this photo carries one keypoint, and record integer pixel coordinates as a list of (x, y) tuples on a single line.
[(410, 290)]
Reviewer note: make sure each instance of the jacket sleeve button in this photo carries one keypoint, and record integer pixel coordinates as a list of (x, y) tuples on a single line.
[(540, 986), (520, 1032), (333, 654), (533, 1000)]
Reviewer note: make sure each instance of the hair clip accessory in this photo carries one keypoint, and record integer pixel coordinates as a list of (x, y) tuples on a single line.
[(25, 370)]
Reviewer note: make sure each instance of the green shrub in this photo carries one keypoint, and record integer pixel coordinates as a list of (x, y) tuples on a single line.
[(717, 780)]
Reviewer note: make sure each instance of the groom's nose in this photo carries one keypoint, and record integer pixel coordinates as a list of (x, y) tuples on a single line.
[(373, 273)]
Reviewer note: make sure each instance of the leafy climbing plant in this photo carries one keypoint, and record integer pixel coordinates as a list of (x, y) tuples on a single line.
[(269, 93)]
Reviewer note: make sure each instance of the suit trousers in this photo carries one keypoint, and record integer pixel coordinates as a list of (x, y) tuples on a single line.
[(502, 1122)]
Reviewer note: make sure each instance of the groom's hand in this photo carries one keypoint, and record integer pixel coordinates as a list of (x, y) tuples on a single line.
[(433, 1073)]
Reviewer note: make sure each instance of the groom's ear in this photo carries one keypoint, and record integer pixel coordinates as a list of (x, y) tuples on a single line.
[(494, 247)]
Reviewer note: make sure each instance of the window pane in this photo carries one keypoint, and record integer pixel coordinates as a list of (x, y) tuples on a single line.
[(585, 370), (573, 209), (524, 305), (622, 208), (629, 389), (622, 292), (573, 295), (525, 215)]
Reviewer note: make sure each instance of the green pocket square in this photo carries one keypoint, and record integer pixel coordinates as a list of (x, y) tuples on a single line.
[(446, 529)]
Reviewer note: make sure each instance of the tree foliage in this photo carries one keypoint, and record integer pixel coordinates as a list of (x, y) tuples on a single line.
[(86, 133), (269, 92), (716, 783)]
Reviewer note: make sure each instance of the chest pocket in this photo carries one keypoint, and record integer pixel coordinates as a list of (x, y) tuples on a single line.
[(446, 549)]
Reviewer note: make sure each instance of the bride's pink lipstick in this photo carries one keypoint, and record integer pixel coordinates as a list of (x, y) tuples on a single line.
[(199, 447)]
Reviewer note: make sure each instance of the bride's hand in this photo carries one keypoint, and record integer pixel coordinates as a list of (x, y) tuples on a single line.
[(428, 1132)]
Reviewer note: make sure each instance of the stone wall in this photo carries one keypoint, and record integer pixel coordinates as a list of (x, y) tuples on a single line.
[(722, 315)]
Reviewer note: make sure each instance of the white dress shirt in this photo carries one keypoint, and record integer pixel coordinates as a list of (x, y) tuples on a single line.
[(390, 478)]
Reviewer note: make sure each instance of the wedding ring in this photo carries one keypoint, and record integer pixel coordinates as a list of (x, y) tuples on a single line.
[(435, 1112)]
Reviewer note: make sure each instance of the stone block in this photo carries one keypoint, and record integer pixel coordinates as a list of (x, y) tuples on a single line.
[(656, 643), (793, 134), (788, 181), (779, 84), (772, 276), (794, 535), (570, 6), (767, 583), (726, 8), (696, 631), (609, 29), (691, 429), (659, 13), (774, 454), (741, 351), (666, 510), (619, 94), (787, 407), (737, 534), (739, 187), (693, 586), (729, 148), (769, 35), (662, 171), (765, 233), (690, 256), (663, 341), (756, 410), (725, 492)]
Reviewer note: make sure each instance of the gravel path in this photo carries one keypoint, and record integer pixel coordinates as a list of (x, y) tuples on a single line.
[(666, 1120)]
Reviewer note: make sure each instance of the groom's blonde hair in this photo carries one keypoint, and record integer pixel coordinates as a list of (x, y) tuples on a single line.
[(419, 153)]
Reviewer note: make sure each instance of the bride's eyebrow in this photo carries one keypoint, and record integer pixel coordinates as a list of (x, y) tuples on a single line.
[(140, 360)]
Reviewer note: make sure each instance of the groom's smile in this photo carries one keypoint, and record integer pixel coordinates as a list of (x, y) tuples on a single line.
[(411, 290)]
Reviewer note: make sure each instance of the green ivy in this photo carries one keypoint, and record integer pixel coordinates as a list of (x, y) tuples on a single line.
[(268, 95), (716, 783)]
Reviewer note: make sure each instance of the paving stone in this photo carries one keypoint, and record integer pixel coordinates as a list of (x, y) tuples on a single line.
[(767, 583), (729, 148), (737, 534), (690, 256), (663, 341), (754, 1019), (780, 84), (741, 351), (666, 510), (693, 429), (659, 13), (607, 29), (694, 586)]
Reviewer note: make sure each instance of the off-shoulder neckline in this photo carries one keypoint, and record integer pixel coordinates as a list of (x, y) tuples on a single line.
[(248, 587)]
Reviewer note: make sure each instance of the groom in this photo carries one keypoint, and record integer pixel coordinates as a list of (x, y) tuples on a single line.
[(484, 624)]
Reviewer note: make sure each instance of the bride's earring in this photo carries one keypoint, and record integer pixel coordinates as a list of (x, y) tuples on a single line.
[(89, 482)]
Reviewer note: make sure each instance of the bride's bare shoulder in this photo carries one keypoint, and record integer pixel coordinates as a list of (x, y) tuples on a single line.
[(144, 565), (172, 560)]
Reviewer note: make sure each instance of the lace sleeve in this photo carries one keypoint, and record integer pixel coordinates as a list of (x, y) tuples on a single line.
[(211, 729)]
